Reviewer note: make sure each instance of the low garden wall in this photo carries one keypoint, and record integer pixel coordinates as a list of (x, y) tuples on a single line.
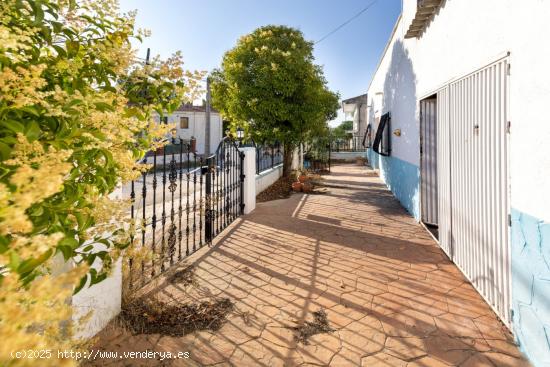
[(267, 178), (94, 307), (347, 156)]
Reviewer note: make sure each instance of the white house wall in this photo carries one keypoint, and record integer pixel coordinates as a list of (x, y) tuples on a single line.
[(464, 36), (355, 116), (216, 131), (197, 122), (359, 116), (393, 90)]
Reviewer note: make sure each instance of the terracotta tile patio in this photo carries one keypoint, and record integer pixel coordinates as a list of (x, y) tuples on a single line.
[(391, 295)]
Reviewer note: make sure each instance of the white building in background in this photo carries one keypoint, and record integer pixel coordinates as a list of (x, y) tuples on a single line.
[(190, 121), (356, 108), (459, 104)]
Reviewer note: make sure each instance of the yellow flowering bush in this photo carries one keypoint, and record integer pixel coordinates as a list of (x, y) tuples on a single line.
[(76, 115)]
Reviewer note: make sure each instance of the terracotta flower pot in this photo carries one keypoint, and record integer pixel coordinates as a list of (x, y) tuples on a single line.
[(307, 187), (302, 178), (297, 186)]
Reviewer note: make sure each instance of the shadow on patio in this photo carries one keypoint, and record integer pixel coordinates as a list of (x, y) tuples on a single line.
[(391, 295)]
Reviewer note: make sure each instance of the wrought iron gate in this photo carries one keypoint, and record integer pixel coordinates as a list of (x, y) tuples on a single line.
[(180, 204), (224, 188)]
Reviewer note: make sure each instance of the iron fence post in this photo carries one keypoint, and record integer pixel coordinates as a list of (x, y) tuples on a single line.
[(241, 199), (208, 200), (257, 160), (132, 232)]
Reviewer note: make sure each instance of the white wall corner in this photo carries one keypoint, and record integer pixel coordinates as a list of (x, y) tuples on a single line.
[(94, 307), (249, 168)]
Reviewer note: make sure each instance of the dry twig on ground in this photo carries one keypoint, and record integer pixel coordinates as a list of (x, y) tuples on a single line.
[(141, 317), (281, 189), (319, 325)]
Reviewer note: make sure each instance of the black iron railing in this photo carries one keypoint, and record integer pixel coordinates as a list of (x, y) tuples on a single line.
[(317, 157), (180, 204), (352, 145), (268, 156)]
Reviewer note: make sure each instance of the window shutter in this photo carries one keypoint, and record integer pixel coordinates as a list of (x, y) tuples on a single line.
[(382, 141)]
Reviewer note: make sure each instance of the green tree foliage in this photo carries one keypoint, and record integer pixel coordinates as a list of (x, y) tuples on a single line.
[(340, 132), (269, 85)]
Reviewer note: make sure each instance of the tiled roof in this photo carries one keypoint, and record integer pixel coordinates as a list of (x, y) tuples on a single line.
[(190, 108), (424, 13)]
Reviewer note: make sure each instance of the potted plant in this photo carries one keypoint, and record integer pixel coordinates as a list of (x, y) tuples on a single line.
[(297, 186)]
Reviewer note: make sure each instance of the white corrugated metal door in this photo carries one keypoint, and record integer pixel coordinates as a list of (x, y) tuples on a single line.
[(444, 171), (428, 160), (475, 115)]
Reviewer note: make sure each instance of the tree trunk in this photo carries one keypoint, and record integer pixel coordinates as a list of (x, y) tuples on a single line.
[(288, 153)]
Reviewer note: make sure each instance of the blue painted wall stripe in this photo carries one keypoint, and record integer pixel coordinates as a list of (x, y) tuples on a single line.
[(401, 177), (531, 286), (530, 241)]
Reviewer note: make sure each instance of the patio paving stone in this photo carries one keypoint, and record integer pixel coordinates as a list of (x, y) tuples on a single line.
[(391, 296)]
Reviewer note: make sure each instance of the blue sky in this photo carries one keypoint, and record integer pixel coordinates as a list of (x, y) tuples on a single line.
[(205, 29)]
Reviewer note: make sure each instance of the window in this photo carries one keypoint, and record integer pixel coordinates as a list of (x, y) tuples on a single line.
[(382, 141), (184, 122)]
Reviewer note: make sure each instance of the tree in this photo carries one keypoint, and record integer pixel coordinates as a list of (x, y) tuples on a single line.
[(269, 85), (75, 117), (341, 131)]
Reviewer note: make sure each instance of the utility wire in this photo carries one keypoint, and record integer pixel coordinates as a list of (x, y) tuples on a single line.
[(346, 22)]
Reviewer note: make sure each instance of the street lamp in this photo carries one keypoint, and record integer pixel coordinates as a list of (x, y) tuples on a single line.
[(240, 133), (174, 133)]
